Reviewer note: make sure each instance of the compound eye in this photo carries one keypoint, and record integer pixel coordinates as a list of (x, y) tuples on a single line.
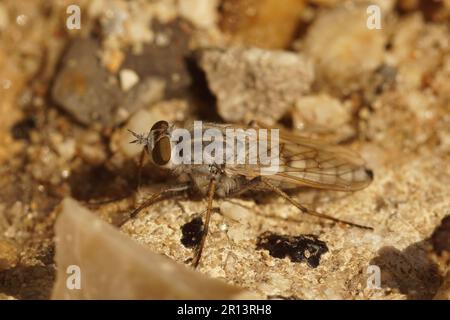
[(162, 151), (160, 126)]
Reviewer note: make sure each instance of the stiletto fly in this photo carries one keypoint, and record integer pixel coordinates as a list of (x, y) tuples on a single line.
[(243, 166)]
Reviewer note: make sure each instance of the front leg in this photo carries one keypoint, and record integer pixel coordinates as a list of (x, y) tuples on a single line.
[(154, 198), (211, 191)]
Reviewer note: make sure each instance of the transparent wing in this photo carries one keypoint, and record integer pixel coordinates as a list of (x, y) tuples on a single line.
[(312, 163)]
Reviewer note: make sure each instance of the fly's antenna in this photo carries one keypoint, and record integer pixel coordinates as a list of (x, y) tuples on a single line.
[(140, 138)]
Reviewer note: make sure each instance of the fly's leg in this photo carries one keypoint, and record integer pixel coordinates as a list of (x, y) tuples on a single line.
[(310, 212), (252, 184), (95, 204), (198, 252), (139, 173), (154, 198)]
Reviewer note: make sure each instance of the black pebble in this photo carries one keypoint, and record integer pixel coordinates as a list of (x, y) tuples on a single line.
[(303, 248), (192, 232)]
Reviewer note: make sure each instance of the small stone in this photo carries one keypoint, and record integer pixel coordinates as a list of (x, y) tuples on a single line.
[(262, 23), (279, 281), (142, 95), (163, 61), (128, 78), (238, 233), (91, 149), (322, 112), (202, 13), (343, 49), (22, 19), (9, 255), (83, 88), (263, 85), (223, 227), (235, 212), (92, 95), (112, 60), (66, 149), (116, 267)]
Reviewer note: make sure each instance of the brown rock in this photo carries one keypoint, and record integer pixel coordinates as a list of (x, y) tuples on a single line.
[(262, 23)]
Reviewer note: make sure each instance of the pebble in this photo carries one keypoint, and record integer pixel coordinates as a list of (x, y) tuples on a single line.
[(264, 85), (343, 49), (171, 58), (9, 255), (83, 88), (128, 78), (321, 111), (262, 23), (235, 212), (202, 13)]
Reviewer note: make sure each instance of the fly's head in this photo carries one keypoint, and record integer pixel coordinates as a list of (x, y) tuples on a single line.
[(157, 142)]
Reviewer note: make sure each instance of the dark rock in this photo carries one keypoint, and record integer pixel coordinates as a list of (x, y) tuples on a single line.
[(192, 232), (165, 57), (88, 92), (303, 248), (83, 88)]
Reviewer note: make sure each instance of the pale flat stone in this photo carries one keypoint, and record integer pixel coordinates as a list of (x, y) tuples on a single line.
[(112, 266)]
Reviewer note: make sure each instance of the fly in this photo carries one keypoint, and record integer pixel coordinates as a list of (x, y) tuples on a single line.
[(245, 161)]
